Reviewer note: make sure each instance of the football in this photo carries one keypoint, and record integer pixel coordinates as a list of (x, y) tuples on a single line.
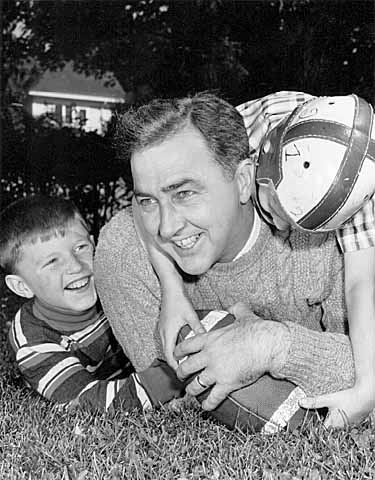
[(268, 405), (317, 168)]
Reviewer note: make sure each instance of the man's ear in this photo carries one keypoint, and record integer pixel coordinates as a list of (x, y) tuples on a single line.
[(245, 178), (92, 240), (18, 286)]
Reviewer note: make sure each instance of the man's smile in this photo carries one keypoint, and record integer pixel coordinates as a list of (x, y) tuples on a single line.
[(194, 210), (188, 242)]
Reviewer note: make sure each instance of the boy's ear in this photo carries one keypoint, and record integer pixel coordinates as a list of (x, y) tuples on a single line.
[(245, 177), (18, 286)]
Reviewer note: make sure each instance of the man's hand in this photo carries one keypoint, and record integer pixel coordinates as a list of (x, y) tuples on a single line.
[(232, 357), (346, 407), (176, 311)]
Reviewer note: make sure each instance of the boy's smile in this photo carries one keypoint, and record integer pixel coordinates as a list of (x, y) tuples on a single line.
[(59, 270)]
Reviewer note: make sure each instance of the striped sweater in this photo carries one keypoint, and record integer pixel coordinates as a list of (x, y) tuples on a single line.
[(74, 359)]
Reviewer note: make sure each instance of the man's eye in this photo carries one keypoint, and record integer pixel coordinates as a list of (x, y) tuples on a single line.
[(184, 194), (146, 202)]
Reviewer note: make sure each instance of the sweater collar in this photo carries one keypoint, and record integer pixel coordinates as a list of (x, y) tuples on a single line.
[(254, 234), (248, 258), (63, 319)]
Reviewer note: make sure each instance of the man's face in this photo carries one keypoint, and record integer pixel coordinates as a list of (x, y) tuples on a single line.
[(59, 271), (188, 205)]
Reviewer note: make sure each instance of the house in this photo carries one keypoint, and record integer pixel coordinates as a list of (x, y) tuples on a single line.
[(75, 99)]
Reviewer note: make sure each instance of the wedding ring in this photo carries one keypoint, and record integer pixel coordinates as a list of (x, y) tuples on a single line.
[(201, 383)]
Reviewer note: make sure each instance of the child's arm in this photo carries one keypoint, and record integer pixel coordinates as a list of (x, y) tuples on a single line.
[(56, 373), (55, 370), (263, 114), (176, 310), (355, 404), (360, 300), (357, 240)]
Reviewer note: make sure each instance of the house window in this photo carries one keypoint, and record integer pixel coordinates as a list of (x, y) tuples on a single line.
[(82, 117), (57, 115), (68, 114), (50, 108)]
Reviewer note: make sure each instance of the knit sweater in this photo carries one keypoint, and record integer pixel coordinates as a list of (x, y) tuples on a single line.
[(296, 279), (73, 359)]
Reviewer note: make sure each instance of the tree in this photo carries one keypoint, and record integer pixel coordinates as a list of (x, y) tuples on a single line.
[(239, 48), (150, 46), (68, 162)]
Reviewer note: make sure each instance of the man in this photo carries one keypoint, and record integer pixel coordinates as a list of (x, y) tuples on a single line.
[(193, 184)]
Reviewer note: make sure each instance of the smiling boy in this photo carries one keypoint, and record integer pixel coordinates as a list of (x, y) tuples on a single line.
[(57, 269), (61, 339)]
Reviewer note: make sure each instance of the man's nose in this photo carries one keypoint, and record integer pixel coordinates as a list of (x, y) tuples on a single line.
[(74, 264), (171, 222)]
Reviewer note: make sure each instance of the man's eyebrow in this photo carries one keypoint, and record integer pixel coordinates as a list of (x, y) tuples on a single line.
[(182, 183), (170, 188), (138, 193)]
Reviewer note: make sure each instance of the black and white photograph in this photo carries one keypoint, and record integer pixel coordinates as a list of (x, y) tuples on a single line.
[(187, 240)]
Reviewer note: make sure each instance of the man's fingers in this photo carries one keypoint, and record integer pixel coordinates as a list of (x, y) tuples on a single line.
[(321, 401), (172, 362), (193, 364), (239, 310), (169, 342), (216, 396), (196, 325), (198, 385), (189, 346)]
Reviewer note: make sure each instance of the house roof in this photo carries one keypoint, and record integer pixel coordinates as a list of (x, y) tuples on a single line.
[(67, 81)]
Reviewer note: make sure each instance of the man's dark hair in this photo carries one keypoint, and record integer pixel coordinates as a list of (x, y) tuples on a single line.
[(29, 219), (219, 122)]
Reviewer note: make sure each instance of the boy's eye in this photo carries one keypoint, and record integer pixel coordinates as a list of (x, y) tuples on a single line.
[(83, 246), (51, 261)]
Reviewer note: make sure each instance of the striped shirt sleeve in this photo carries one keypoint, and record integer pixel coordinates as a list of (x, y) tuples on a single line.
[(58, 375), (263, 114), (359, 232)]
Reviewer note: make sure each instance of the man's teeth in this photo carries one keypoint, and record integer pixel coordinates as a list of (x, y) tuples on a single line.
[(78, 284), (187, 242)]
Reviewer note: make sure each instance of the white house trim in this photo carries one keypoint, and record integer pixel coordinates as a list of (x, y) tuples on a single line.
[(75, 96)]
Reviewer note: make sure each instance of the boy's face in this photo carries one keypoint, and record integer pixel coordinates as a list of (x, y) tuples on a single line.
[(59, 271)]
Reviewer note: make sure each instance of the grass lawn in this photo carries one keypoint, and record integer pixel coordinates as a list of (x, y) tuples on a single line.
[(37, 441)]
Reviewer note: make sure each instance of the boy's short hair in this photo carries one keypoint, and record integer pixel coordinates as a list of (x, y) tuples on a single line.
[(30, 219), (219, 122)]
